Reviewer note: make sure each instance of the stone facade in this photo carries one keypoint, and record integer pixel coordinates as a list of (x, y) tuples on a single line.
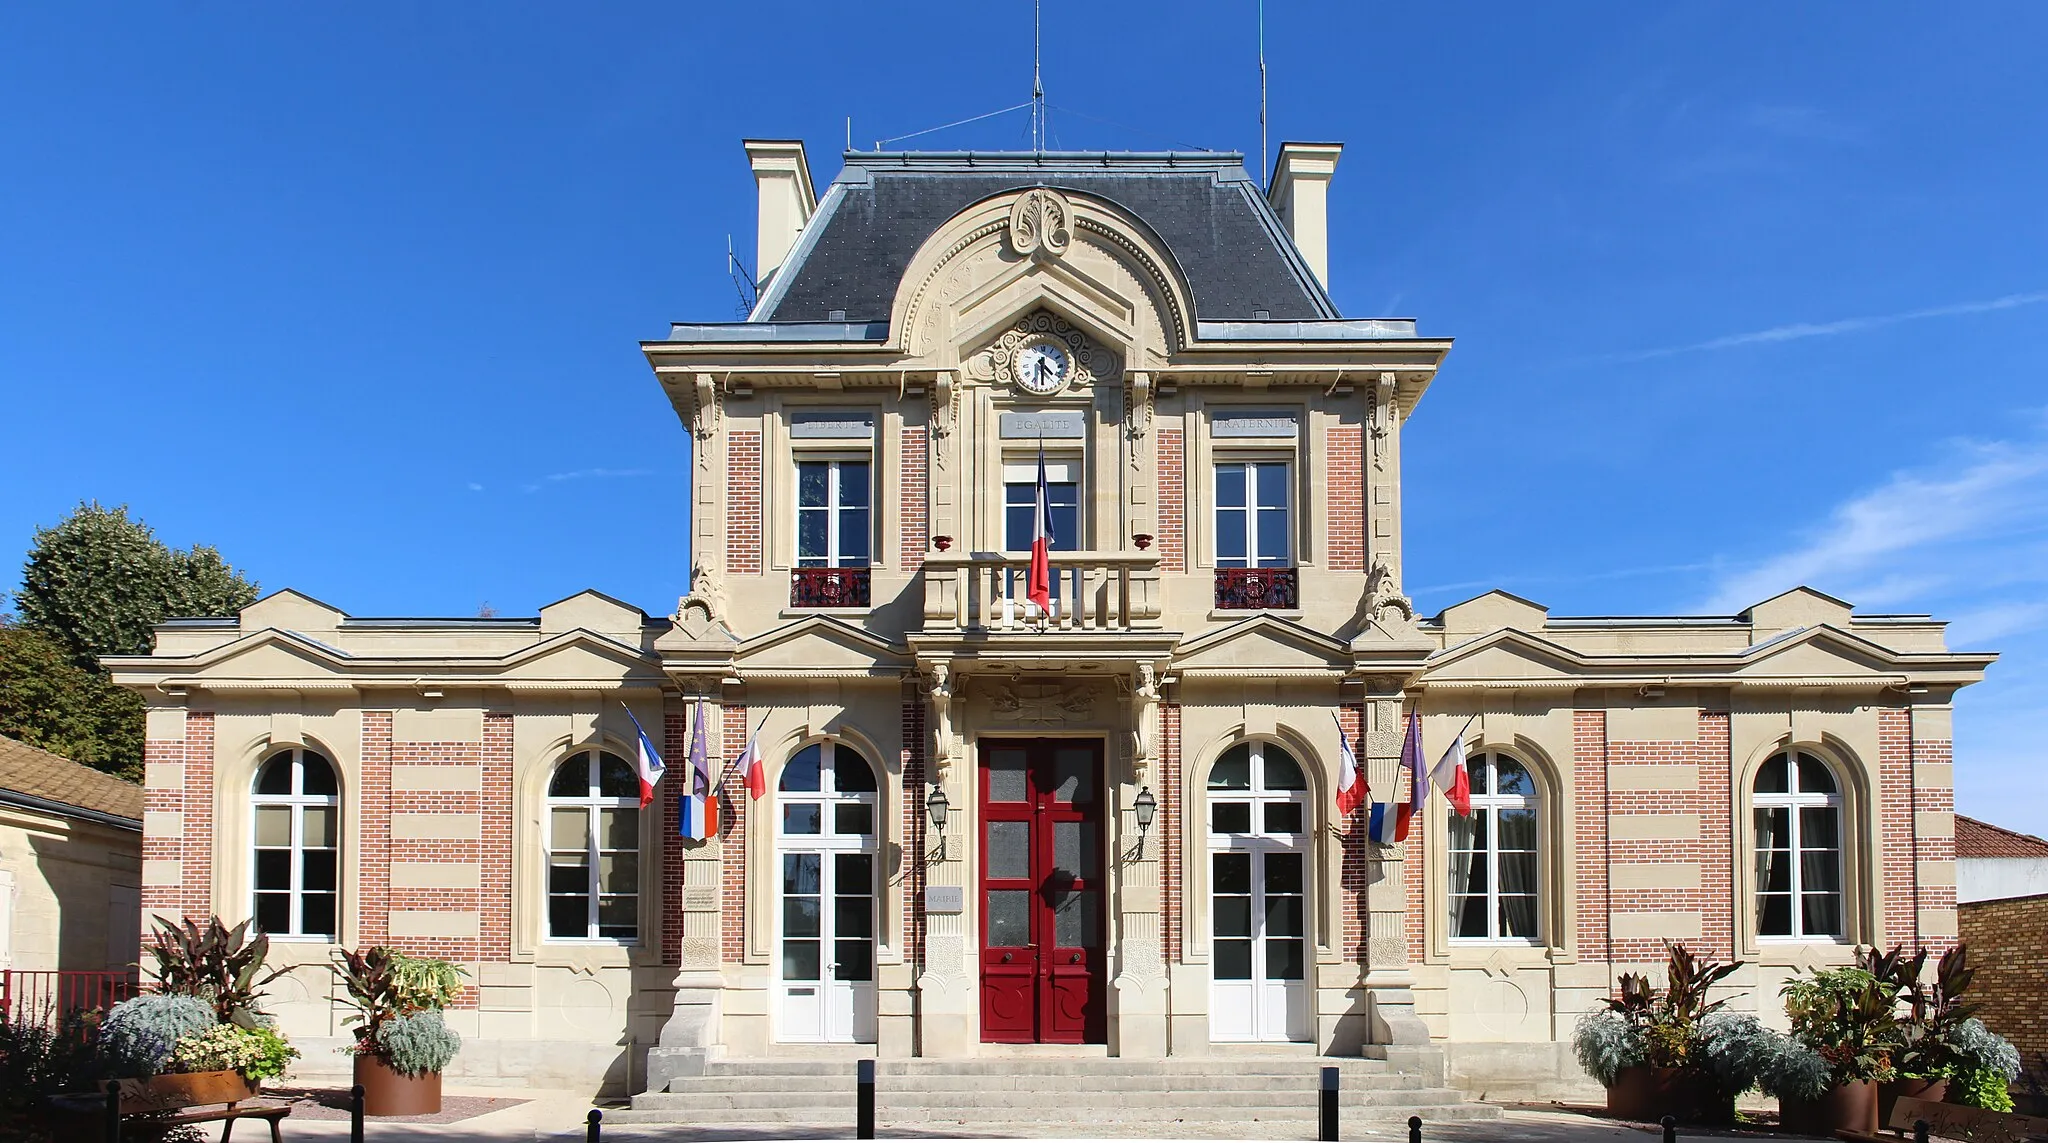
[(1643, 740)]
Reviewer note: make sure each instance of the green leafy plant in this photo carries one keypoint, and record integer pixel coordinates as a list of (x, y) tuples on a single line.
[(1847, 1017), (1794, 1071), (1978, 1048), (1983, 1087), (1667, 1020), (1676, 1026), (138, 1035), (384, 985), (1934, 1008), (216, 964), (424, 984), (418, 1043), (258, 1053)]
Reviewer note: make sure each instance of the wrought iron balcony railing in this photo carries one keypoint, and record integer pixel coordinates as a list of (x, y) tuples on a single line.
[(828, 587), (1257, 589)]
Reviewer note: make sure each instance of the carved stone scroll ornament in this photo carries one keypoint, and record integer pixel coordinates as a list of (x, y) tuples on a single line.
[(1386, 413), (1138, 415), (1092, 363), (1383, 595), (1144, 701), (1041, 224), (945, 396), (704, 608)]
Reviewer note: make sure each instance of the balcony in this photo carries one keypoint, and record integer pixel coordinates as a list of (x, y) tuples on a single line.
[(1257, 589), (828, 587), (1092, 592)]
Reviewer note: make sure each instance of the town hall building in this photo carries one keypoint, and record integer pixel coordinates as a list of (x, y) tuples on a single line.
[(1107, 825)]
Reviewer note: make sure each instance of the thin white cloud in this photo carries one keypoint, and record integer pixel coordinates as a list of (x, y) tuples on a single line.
[(587, 474), (1800, 331), (475, 487), (1805, 124)]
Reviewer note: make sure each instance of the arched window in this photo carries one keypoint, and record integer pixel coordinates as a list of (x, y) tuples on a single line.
[(1493, 856), (1798, 810), (1258, 856), (825, 842), (297, 811), (594, 849)]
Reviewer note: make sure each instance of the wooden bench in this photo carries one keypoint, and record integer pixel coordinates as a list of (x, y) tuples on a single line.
[(1954, 1121), (190, 1102)]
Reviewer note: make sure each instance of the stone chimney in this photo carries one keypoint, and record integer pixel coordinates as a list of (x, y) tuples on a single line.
[(783, 179), (1300, 192)]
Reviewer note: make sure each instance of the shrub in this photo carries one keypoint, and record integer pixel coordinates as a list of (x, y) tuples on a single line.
[(258, 1053), (40, 1057), (1978, 1048), (384, 984), (417, 1044), (1795, 1071), (1984, 1087), (1672, 1027), (1847, 1017), (138, 1035), (216, 964), (1737, 1049), (424, 984), (1605, 1043)]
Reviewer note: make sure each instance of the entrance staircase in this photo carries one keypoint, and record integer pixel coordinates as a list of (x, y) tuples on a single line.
[(1214, 1097)]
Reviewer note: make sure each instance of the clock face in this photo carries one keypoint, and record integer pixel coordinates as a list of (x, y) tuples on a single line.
[(1042, 367)]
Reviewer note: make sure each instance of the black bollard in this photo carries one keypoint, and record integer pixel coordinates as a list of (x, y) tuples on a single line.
[(1670, 1129), (113, 1123), (1415, 1129), (864, 1100), (1919, 1131), (591, 1132), (1328, 1120), (355, 1114)]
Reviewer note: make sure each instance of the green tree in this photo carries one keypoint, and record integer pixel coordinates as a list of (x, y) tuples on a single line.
[(48, 700), (99, 581)]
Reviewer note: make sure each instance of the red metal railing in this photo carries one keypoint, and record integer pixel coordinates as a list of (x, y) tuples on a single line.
[(52, 994)]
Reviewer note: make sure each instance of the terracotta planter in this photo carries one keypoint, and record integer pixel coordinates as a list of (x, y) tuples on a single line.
[(386, 1092), (1888, 1094), (1648, 1094), (1850, 1107), (178, 1089)]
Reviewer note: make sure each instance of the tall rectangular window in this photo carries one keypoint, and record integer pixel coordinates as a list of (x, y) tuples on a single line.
[(832, 514), (1020, 499), (1252, 519)]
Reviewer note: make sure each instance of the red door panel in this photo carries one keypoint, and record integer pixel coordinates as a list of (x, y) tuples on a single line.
[(1042, 956)]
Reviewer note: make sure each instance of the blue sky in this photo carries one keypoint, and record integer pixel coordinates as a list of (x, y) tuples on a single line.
[(1744, 295)]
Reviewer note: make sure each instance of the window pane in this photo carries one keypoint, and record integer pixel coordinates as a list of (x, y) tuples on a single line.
[(1518, 873), (812, 537), (1073, 774), (853, 483), (1272, 539), (800, 960), (1284, 960), (1517, 829), (1283, 916), (1479, 772), (1463, 832), (1464, 865), (1073, 850), (618, 829), (318, 777), (851, 773), (853, 818), (274, 912), (853, 916), (801, 775), (1821, 914), (1281, 771), (1819, 828), (1009, 918), (1510, 777), (1283, 873), (853, 960), (618, 917), (800, 873), (800, 916), (1009, 849), (1518, 916), (1230, 538), (274, 869), (1468, 916), (276, 776), (572, 778), (1774, 915), (813, 484), (618, 873), (318, 826), (1232, 872), (1074, 922), (273, 825), (1283, 817), (1017, 524), (1233, 960), (1814, 776), (1230, 817), (316, 914), (1066, 524), (802, 818), (568, 875), (1230, 485), (569, 830), (616, 777), (1774, 777), (320, 870), (568, 916), (853, 874), (853, 538), (1006, 776), (1820, 871), (1232, 916), (1272, 485), (1233, 771)]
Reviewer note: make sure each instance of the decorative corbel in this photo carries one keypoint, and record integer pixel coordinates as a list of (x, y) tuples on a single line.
[(943, 396), (1144, 702), (1137, 415), (1386, 414)]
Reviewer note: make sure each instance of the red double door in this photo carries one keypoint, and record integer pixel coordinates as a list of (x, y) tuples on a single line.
[(1042, 958)]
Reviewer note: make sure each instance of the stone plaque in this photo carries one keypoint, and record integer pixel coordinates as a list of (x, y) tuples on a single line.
[(1061, 424), (832, 424), (1266, 423), (945, 899)]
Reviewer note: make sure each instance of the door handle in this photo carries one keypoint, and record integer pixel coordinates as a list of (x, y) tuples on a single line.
[(1073, 958)]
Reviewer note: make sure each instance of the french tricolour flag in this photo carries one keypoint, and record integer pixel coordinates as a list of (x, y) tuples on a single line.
[(1388, 822), (700, 807), (1351, 787), (648, 764), (1453, 779), (1038, 582)]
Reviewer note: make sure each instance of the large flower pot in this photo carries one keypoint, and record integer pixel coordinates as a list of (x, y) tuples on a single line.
[(1850, 1107), (1888, 1094), (386, 1092), (183, 1089), (1648, 1094)]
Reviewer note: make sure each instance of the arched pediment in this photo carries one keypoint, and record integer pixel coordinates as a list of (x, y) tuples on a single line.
[(1078, 255)]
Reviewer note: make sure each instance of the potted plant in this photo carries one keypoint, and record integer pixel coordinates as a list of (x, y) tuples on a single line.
[(201, 1035), (402, 1043), (1925, 1059), (1983, 1067), (1661, 1052), (1843, 1040)]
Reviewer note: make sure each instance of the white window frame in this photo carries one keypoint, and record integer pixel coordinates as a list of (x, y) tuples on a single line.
[(827, 843), (1793, 801), (834, 462), (297, 802), (1258, 843), (1490, 805), (1252, 508), (593, 759), (1022, 471)]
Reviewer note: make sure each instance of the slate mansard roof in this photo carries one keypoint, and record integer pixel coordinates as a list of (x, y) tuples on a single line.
[(1232, 247)]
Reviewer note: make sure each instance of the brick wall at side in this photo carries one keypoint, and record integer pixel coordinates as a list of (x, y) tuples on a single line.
[(1937, 799), (2009, 950), (1895, 827), (1589, 781), (1173, 500), (912, 492), (373, 871), (732, 822), (743, 503), (1172, 808), (192, 845), (675, 743), (1345, 486), (1354, 873)]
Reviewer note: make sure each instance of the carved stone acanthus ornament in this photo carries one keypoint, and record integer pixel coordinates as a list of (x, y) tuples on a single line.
[(1383, 595), (1092, 363), (1386, 413), (1041, 224)]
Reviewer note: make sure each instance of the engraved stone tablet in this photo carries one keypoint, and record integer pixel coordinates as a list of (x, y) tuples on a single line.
[(1062, 424), (944, 899), (832, 424), (1252, 423)]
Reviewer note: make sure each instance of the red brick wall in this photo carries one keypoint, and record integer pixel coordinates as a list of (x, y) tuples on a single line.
[(1344, 484), (2009, 950), (373, 809), (1173, 500), (1707, 757), (911, 493), (732, 821), (193, 896), (1172, 806), (743, 503), (913, 765), (675, 744), (1351, 836), (1895, 827), (495, 907), (1941, 800), (1589, 781), (452, 851)]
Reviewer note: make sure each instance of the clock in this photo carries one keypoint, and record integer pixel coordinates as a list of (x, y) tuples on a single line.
[(1043, 367)]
